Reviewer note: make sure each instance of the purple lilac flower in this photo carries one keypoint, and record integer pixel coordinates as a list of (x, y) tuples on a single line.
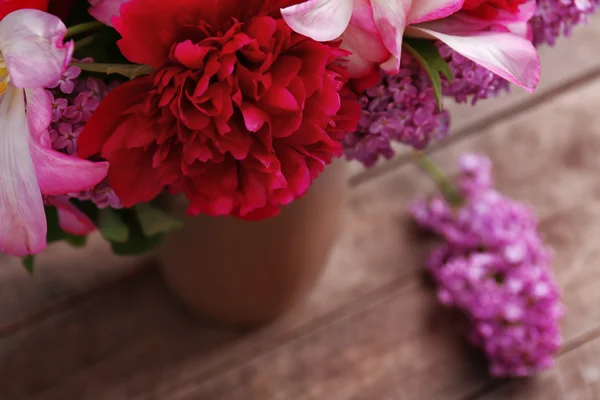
[(554, 18), (81, 110), (66, 82), (471, 82), (71, 110), (494, 267), (400, 108), (65, 137)]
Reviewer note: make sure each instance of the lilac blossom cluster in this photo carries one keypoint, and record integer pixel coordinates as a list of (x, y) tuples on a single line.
[(494, 267), (470, 81), (402, 108), (399, 108), (74, 99), (555, 18)]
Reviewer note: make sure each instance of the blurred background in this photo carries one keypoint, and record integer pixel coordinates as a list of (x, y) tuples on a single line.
[(90, 325)]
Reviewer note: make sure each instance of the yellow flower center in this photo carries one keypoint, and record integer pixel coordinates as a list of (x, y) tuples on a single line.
[(4, 78)]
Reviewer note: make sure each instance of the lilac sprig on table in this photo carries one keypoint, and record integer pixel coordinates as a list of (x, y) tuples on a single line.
[(494, 267)]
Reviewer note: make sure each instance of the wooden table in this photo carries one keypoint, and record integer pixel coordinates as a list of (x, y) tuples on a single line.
[(92, 326)]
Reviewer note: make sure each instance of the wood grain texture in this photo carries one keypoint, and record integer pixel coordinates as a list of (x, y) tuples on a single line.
[(61, 274), (371, 330)]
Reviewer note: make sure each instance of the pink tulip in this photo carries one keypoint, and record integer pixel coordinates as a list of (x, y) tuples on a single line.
[(373, 30), (33, 56)]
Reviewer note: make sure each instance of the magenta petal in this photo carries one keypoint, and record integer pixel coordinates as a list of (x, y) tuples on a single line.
[(22, 216), (70, 218), (31, 44), (59, 173), (105, 10)]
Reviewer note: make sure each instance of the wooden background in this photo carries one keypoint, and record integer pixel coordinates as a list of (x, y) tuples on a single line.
[(93, 326)]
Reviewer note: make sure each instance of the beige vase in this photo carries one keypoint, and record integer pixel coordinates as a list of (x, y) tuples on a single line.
[(250, 273)]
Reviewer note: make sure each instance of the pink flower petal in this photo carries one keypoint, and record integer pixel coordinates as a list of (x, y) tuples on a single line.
[(429, 10), (320, 20), (504, 53), (22, 217), (390, 17), (70, 218), (59, 173), (39, 110), (31, 43), (105, 10)]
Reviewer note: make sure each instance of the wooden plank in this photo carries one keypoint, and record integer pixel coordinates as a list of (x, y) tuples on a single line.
[(352, 333), (575, 377), (61, 273), (567, 62)]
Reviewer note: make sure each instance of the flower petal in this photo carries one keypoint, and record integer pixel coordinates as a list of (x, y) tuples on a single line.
[(429, 10), (105, 10), (504, 53), (390, 17), (31, 43), (503, 17), (57, 173), (6, 7), (22, 216), (70, 218), (320, 20), (39, 110)]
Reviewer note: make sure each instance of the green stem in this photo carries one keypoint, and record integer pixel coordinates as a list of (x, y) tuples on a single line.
[(86, 41), (82, 28), (438, 176)]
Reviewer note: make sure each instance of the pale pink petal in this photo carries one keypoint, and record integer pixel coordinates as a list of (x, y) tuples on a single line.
[(522, 29), (39, 110), (429, 10), (320, 20), (22, 217), (362, 39), (105, 10), (70, 218), (505, 54), (390, 17), (31, 42)]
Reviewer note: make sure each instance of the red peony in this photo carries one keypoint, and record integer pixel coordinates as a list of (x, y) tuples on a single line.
[(8, 6), (489, 9), (241, 113)]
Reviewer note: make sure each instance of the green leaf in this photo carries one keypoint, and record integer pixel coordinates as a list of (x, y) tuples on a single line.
[(28, 263), (76, 241), (112, 226), (130, 71), (55, 234), (137, 242), (154, 221), (428, 55)]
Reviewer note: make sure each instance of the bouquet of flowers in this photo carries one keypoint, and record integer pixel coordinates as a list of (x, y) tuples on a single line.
[(110, 106)]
